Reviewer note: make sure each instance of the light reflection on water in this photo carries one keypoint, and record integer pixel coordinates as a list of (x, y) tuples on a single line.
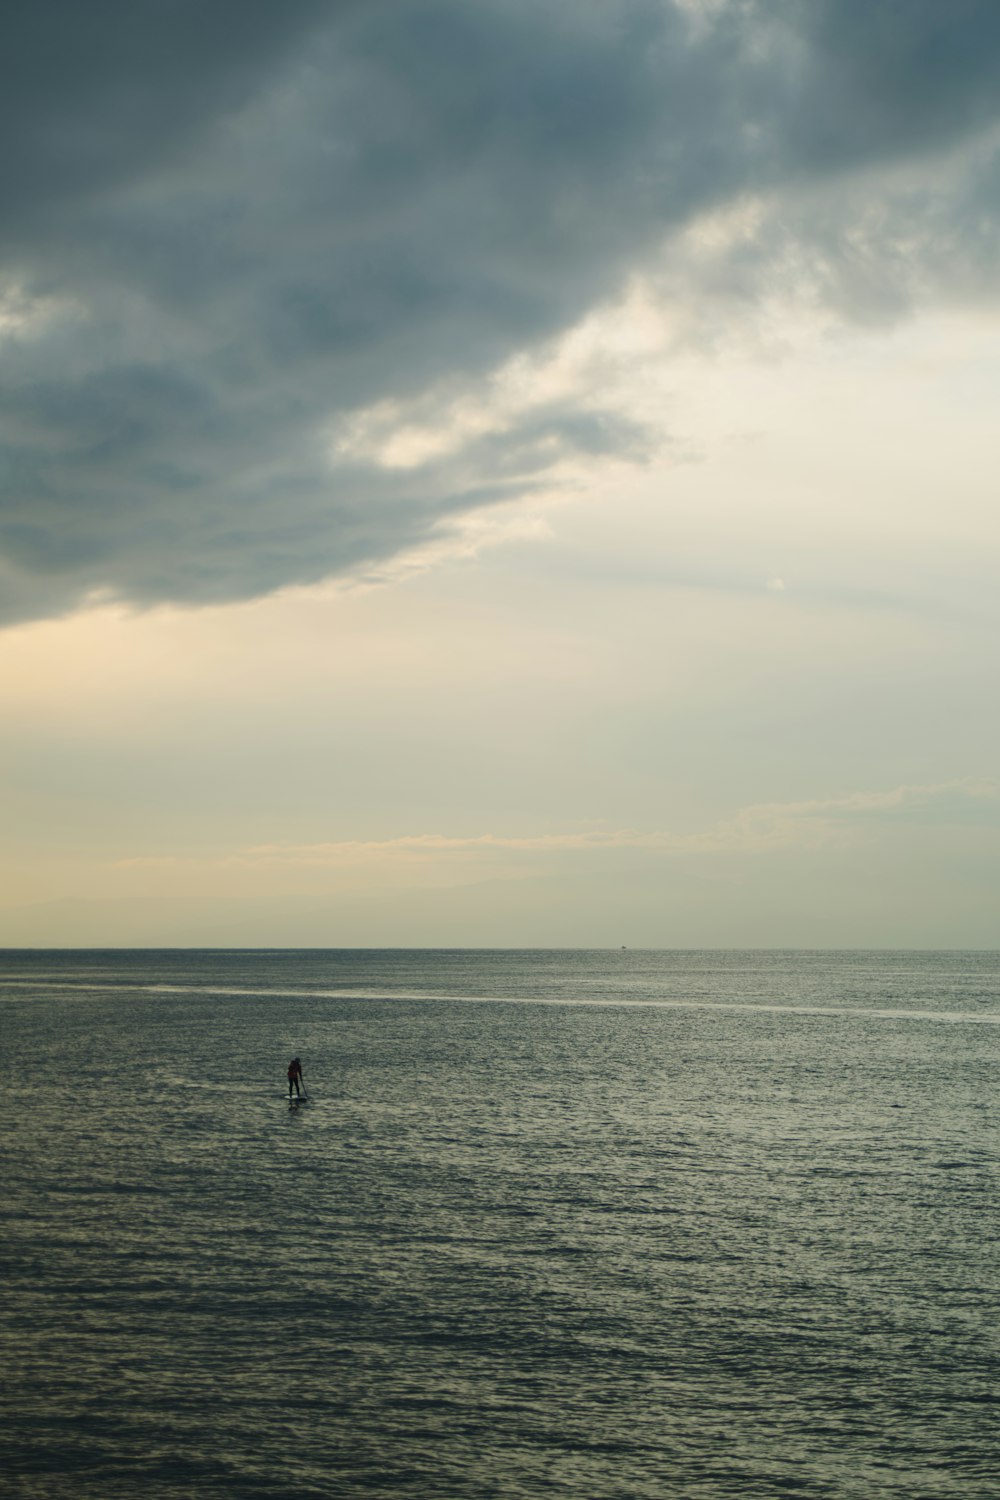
[(740, 1240)]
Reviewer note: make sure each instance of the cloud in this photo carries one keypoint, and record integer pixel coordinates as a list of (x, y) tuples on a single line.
[(229, 232), (762, 828)]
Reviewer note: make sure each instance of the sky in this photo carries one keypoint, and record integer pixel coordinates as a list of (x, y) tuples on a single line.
[(502, 475)]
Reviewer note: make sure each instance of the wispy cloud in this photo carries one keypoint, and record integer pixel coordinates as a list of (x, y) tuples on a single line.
[(822, 823)]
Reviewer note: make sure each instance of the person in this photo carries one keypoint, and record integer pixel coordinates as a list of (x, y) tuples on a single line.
[(294, 1077)]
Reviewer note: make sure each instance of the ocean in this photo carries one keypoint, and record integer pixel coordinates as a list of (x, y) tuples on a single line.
[(549, 1224)]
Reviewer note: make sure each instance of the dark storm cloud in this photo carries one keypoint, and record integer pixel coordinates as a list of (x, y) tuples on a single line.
[(231, 226)]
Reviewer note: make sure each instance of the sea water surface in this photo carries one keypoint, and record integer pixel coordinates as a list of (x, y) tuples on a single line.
[(560, 1224)]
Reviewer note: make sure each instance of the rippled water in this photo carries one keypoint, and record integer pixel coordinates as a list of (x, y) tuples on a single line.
[(629, 1225)]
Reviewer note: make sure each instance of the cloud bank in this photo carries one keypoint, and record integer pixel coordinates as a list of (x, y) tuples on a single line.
[(230, 230)]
